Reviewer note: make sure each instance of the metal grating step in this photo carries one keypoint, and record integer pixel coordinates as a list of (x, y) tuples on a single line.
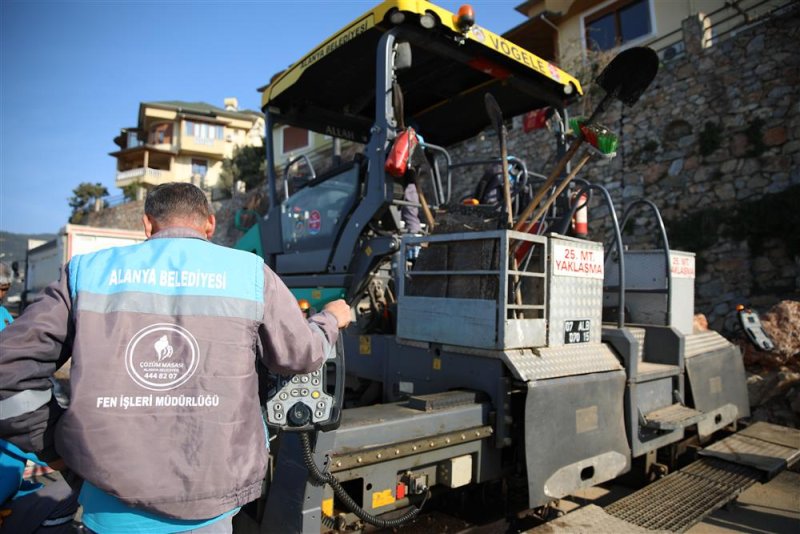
[(672, 417), (684, 498), (766, 447), (591, 519)]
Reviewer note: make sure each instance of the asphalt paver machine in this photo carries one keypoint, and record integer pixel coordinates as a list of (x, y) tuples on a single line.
[(479, 354)]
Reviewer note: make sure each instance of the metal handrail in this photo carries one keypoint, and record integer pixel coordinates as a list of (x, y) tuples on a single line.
[(289, 166), (443, 199), (668, 267)]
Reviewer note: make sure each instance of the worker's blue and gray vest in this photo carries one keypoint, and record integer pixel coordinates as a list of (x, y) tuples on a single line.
[(164, 410)]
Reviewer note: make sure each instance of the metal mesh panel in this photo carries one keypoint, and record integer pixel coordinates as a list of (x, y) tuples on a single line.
[(591, 519), (684, 498)]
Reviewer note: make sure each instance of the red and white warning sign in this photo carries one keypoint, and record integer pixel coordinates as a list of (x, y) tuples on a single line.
[(314, 222), (574, 260), (682, 266)]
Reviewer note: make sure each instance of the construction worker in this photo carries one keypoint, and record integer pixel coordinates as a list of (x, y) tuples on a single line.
[(27, 505), (164, 424), (5, 285)]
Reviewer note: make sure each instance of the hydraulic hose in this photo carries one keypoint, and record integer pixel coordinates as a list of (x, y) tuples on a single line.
[(318, 477)]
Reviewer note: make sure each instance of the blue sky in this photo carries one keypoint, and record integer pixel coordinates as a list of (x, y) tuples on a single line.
[(73, 73)]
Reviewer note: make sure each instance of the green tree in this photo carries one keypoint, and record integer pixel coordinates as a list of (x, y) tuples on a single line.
[(248, 164), (83, 198), (129, 191)]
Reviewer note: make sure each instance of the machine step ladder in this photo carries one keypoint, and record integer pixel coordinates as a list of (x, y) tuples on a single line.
[(672, 417), (682, 499)]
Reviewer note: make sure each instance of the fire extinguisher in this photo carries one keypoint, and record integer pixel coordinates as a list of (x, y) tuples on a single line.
[(580, 221)]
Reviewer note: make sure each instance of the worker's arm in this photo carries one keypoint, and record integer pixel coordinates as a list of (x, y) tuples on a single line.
[(290, 344), (32, 348)]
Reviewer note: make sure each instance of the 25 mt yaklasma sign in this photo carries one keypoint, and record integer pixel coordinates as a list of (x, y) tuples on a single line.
[(574, 260)]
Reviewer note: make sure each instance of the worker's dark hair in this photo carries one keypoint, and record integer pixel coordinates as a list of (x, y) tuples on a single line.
[(176, 201)]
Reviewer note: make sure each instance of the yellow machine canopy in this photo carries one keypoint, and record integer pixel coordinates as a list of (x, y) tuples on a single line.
[(332, 88)]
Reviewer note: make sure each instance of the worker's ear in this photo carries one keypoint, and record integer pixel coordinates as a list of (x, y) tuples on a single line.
[(148, 225), (210, 226)]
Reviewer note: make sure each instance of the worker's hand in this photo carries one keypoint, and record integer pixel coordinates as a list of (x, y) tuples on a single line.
[(341, 310), (4, 512)]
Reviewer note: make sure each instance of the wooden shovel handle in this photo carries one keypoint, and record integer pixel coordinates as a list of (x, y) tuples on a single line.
[(426, 210), (549, 202), (559, 168)]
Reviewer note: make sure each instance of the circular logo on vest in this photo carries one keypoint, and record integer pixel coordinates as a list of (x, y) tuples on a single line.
[(162, 356)]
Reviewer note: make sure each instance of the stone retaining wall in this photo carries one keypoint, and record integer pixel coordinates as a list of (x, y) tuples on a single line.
[(129, 215)]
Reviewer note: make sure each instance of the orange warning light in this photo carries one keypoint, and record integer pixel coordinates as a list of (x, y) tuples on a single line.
[(304, 304), (465, 18)]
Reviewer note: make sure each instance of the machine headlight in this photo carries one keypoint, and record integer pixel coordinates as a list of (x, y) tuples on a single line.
[(397, 17), (427, 21)]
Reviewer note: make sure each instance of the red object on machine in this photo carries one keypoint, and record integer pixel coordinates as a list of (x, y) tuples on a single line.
[(589, 135), (487, 67), (400, 491), (580, 221), (536, 119), (525, 246), (397, 161)]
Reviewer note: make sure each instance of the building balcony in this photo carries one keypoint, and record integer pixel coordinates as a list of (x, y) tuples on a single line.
[(143, 175), (199, 145)]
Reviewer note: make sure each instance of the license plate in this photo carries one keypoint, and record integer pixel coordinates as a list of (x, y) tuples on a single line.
[(577, 331)]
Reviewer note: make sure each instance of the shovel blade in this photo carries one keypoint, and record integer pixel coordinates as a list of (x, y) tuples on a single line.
[(494, 112), (629, 74)]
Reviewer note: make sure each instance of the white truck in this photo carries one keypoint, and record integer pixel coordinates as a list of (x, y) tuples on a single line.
[(45, 259)]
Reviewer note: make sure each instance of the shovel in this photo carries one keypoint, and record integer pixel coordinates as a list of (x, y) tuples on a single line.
[(496, 117), (624, 79)]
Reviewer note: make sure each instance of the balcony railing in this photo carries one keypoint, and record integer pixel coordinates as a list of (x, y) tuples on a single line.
[(145, 176), (141, 171), (725, 22), (203, 145)]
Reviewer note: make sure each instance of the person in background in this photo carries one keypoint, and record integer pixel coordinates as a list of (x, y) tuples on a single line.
[(30, 506), (164, 425), (5, 285), (489, 190), (26, 505)]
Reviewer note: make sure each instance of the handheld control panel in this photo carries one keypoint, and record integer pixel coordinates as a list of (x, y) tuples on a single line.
[(312, 401), (751, 324)]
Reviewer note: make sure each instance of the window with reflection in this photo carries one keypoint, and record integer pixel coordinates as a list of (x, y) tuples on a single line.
[(618, 24), (315, 213), (294, 139), (160, 134)]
